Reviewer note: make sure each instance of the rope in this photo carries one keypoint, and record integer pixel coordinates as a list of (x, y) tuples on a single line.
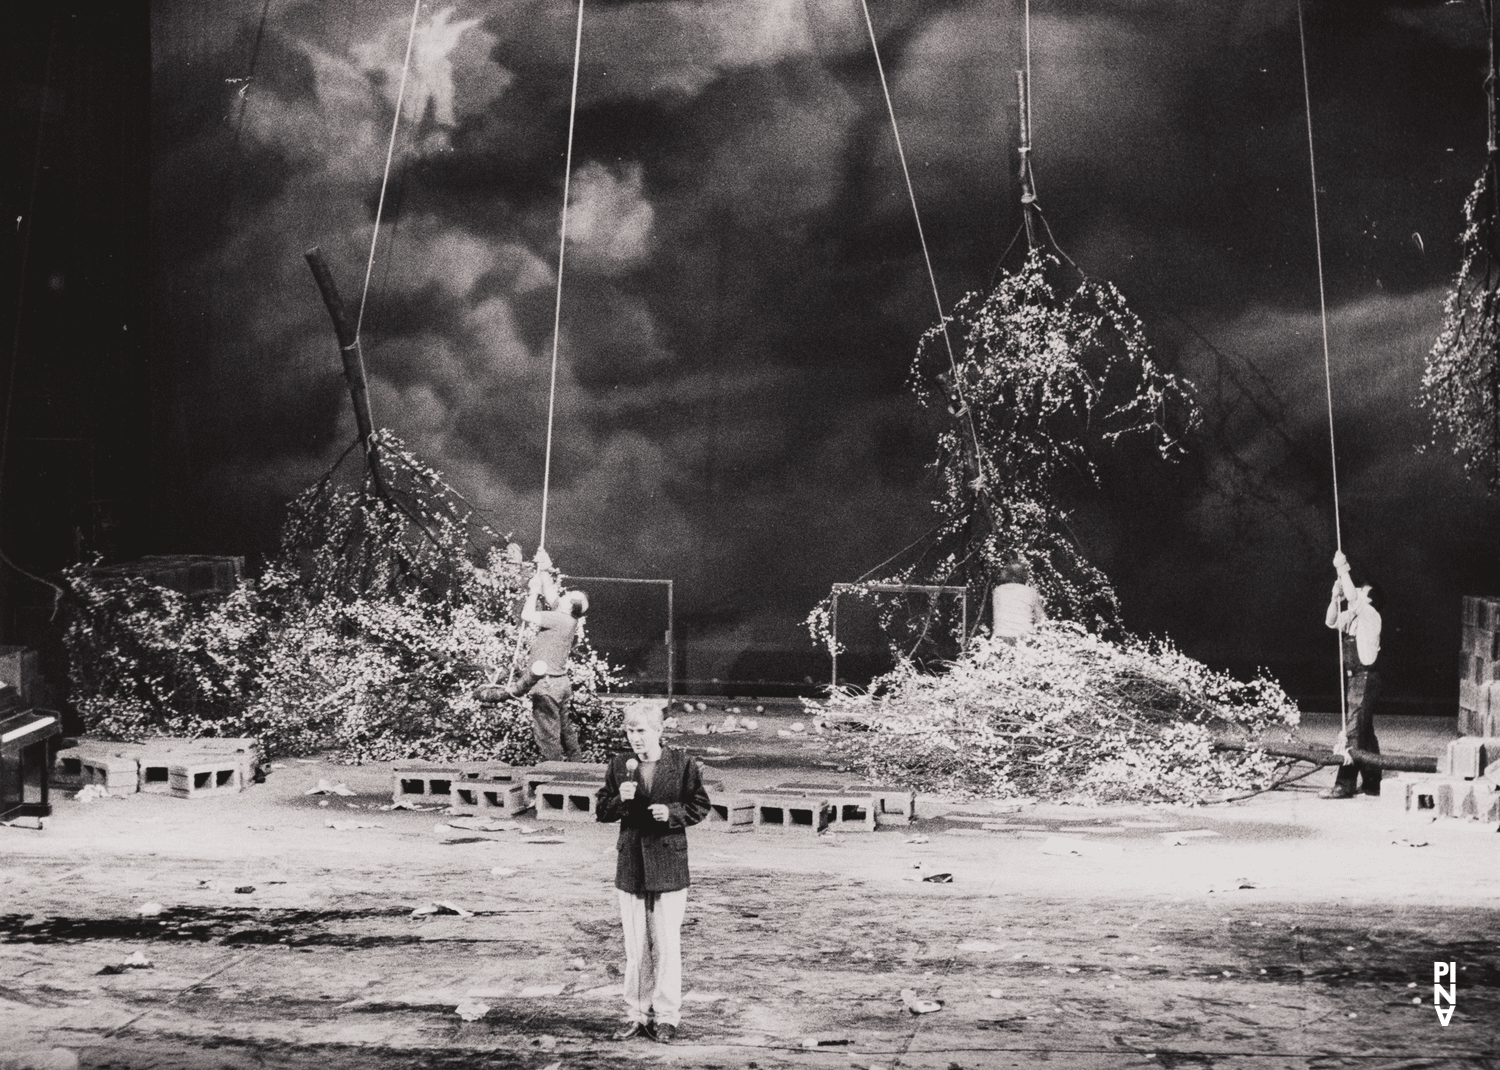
[(562, 248), (385, 179), (922, 238), (1338, 533)]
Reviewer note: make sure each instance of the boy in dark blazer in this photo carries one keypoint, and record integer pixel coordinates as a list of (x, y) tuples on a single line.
[(655, 793)]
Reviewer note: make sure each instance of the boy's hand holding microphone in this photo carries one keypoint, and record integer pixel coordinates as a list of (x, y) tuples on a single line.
[(627, 792)]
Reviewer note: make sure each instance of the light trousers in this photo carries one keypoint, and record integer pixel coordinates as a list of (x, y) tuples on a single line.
[(653, 955)]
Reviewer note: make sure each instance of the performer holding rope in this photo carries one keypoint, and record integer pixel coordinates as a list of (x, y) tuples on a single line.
[(1355, 611), (558, 616)]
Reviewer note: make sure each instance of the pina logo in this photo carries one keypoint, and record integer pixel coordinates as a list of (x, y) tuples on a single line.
[(1441, 995)]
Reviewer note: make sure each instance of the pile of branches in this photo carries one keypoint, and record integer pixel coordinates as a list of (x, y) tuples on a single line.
[(364, 637), (1068, 716)]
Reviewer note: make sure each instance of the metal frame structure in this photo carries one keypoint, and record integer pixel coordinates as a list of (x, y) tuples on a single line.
[(671, 634), (888, 588)]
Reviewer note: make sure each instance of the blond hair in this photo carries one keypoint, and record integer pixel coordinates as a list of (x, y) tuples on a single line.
[(646, 710)]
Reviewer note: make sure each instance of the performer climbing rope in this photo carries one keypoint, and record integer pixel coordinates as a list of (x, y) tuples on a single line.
[(1355, 611), (558, 617)]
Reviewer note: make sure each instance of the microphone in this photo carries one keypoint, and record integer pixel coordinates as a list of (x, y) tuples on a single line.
[(630, 767)]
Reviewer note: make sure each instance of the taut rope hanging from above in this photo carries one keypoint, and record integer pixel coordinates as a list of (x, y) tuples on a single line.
[(1312, 167), (411, 36), (562, 248), (922, 239)]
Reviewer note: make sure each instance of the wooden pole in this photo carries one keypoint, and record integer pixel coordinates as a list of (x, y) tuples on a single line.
[(1028, 194), (353, 358)]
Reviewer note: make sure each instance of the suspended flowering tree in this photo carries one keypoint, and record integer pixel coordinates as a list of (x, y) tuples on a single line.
[(1461, 383), (1042, 379)]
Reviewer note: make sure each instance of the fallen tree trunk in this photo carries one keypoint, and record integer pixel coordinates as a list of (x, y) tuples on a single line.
[(1396, 763)]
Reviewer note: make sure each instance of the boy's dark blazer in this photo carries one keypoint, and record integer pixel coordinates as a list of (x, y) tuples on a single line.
[(653, 854)]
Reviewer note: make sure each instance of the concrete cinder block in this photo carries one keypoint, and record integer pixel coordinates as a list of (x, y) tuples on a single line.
[(67, 769), (424, 784), (490, 786), (203, 776), (1486, 800), (893, 805), (67, 764), (1422, 797), (157, 754), (567, 800), (531, 781), (730, 813), (853, 812), (1489, 753), (790, 812), (1392, 795), (115, 773), (1460, 758), (573, 771), (1445, 797), (1449, 797), (1455, 799), (491, 771), (1469, 756), (507, 797)]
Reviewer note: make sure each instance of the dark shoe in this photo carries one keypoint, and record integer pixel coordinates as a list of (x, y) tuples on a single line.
[(666, 1032), (1336, 793), (633, 1030)]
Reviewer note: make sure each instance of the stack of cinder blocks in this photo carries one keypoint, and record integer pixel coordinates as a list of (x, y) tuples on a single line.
[(184, 768), (487, 786), (814, 808), (568, 791), (1479, 668), (1468, 780), (561, 790), (1467, 784)]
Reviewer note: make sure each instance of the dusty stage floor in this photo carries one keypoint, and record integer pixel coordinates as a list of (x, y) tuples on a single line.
[(1280, 932)]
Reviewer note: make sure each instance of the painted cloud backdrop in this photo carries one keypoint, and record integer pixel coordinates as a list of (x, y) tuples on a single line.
[(743, 286)]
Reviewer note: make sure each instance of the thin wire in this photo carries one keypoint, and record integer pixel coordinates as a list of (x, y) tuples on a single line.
[(1338, 533), (390, 153), (562, 248), (1053, 238), (921, 237), (917, 541), (1001, 262)]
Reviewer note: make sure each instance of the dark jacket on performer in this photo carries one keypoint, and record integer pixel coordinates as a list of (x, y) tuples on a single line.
[(653, 854)]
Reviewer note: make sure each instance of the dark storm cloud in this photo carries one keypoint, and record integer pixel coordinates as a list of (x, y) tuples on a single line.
[(743, 286)]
